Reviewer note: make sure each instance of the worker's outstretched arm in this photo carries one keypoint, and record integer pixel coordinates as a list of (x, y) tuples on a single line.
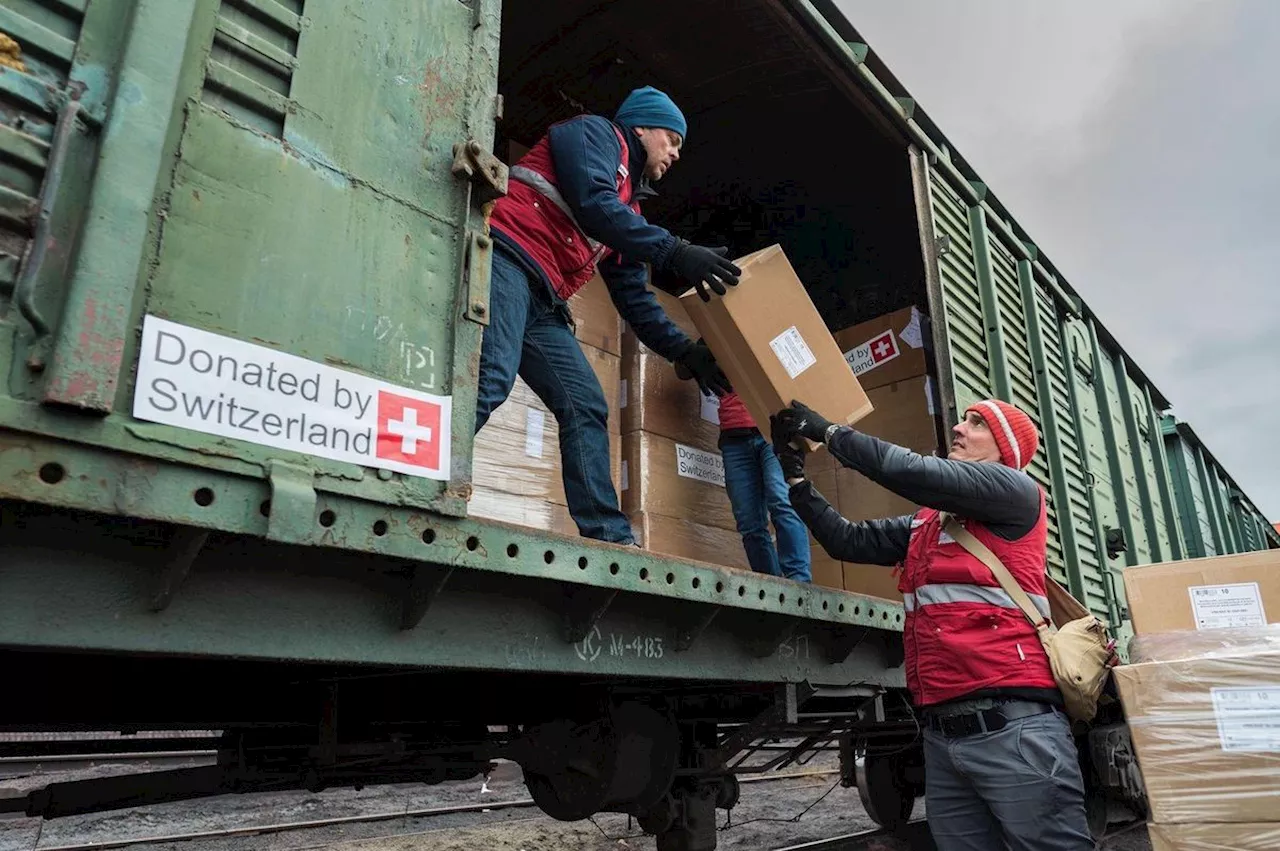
[(1004, 499), (868, 542)]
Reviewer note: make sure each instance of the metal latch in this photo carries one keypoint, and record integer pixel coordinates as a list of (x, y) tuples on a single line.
[(479, 265), (485, 171), (292, 518)]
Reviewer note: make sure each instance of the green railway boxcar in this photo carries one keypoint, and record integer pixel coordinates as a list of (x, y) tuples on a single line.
[(271, 188)]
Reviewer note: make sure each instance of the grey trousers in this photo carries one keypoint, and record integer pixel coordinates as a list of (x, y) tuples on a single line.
[(1018, 788)]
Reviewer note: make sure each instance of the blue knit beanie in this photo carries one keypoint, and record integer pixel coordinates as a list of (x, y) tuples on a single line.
[(648, 107)]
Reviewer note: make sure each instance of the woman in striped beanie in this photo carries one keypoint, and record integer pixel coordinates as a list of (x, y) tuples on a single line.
[(1000, 761)]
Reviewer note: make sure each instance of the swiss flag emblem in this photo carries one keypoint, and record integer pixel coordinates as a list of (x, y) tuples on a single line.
[(883, 348), (408, 431)]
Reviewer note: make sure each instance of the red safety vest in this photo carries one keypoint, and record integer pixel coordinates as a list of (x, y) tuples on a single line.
[(733, 413), (962, 631), (536, 216)]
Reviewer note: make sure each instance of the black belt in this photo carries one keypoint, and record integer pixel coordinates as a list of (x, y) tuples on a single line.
[(986, 720)]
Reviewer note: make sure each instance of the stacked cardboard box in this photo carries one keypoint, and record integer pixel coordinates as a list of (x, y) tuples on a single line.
[(674, 475), (887, 355), (1202, 699), (516, 469)]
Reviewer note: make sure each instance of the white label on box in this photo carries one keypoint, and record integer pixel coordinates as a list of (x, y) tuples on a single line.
[(792, 350), (710, 408), (535, 422), (873, 353), (1229, 606), (911, 334), (622, 394), (699, 464), (209, 383), (625, 483), (1248, 718)]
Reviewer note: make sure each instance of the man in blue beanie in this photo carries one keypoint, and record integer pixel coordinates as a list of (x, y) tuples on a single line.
[(573, 208)]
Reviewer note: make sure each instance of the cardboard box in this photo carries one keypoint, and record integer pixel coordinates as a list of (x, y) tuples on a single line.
[(1205, 593), (527, 511), (886, 349), (595, 318), (516, 465), (656, 401), (1264, 836), (1207, 735), (684, 539), (873, 580), (673, 479), (774, 346), (903, 415), (825, 570)]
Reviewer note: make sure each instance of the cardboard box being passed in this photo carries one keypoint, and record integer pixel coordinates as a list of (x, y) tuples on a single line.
[(773, 345), (1205, 593)]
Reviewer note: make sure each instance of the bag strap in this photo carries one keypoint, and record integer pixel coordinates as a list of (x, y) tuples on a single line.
[(965, 538)]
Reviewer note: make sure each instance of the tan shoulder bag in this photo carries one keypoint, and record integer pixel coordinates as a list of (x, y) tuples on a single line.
[(1080, 652)]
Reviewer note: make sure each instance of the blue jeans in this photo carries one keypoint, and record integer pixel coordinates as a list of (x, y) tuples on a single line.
[(529, 337), (758, 492)]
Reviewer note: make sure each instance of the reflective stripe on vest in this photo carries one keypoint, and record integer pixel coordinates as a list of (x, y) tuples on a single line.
[(544, 188), (954, 592)]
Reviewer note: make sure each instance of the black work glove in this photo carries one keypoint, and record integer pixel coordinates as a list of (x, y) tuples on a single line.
[(698, 363), (704, 267), (802, 421), (791, 459)]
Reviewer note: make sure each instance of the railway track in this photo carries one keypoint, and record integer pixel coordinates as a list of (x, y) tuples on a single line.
[(60, 762), (25, 766), (914, 836)]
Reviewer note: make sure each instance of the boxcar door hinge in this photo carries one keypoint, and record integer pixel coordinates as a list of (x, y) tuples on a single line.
[(292, 518), (479, 264), (487, 173)]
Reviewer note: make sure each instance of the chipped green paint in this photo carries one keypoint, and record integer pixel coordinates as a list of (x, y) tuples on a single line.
[(516, 574), (88, 354)]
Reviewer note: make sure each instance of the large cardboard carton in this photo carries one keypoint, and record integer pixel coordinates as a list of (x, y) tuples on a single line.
[(1263, 836), (596, 319), (903, 415), (656, 401), (516, 469), (825, 570), (873, 580), (1205, 593), (529, 512), (774, 346), (886, 349), (1207, 734), (682, 538), (673, 479)]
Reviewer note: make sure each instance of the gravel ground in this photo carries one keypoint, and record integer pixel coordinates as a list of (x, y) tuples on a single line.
[(768, 816)]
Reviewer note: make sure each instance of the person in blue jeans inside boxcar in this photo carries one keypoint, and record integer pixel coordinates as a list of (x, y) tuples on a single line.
[(758, 492), (572, 208)]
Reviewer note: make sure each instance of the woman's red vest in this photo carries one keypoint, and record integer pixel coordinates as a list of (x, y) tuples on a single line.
[(962, 631)]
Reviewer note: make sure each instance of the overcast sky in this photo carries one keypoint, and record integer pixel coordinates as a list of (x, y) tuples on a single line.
[(1138, 143)]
